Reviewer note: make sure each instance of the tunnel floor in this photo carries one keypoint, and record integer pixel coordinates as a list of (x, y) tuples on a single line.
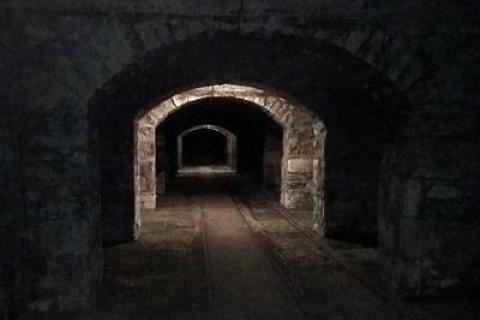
[(217, 249)]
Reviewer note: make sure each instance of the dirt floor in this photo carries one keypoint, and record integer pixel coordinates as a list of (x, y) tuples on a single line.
[(214, 249)]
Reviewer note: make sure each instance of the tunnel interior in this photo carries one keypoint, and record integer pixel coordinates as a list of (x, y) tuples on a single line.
[(395, 84), (205, 148), (347, 159), (258, 142)]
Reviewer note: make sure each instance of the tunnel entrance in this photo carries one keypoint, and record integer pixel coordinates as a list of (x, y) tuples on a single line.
[(205, 148), (282, 150)]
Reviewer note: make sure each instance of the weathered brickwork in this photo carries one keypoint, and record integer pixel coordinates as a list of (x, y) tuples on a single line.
[(230, 138), (396, 85), (272, 156), (297, 162)]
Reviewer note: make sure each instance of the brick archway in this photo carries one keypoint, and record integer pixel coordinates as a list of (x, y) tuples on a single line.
[(303, 140), (230, 138), (351, 198)]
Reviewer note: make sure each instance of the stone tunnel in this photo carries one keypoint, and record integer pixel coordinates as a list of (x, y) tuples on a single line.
[(239, 160)]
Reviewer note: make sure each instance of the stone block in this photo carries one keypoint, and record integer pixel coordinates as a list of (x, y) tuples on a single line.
[(147, 201), (412, 238), (356, 39), (412, 198), (444, 192), (300, 165)]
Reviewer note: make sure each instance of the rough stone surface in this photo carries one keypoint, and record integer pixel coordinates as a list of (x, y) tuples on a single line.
[(296, 121), (396, 84), (300, 165), (272, 159), (231, 145)]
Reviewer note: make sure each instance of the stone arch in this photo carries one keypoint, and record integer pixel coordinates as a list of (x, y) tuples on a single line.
[(315, 65), (303, 140), (386, 50), (230, 137), (372, 61)]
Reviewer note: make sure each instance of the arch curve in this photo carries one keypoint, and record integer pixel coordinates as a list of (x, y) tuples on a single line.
[(229, 136), (303, 140), (309, 75)]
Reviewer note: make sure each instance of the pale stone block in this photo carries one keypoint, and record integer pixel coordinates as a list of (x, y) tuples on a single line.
[(148, 202), (300, 165)]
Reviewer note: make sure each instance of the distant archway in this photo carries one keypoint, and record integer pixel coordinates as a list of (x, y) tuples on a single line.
[(231, 147), (304, 135)]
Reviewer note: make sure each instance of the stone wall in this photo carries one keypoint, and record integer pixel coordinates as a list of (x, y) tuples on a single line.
[(161, 168), (429, 200), (297, 122), (400, 73), (12, 222), (272, 156)]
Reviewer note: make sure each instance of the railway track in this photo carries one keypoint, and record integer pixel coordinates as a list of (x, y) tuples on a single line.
[(208, 279), (268, 248), (383, 295), (279, 263)]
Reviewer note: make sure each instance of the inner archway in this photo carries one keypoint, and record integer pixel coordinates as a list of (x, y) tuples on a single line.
[(302, 163), (206, 147)]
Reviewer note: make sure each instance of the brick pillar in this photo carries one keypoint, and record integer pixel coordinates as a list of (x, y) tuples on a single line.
[(145, 165)]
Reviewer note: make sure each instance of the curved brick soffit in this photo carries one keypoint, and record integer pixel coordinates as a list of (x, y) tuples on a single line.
[(376, 58), (225, 132), (386, 54), (275, 106)]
